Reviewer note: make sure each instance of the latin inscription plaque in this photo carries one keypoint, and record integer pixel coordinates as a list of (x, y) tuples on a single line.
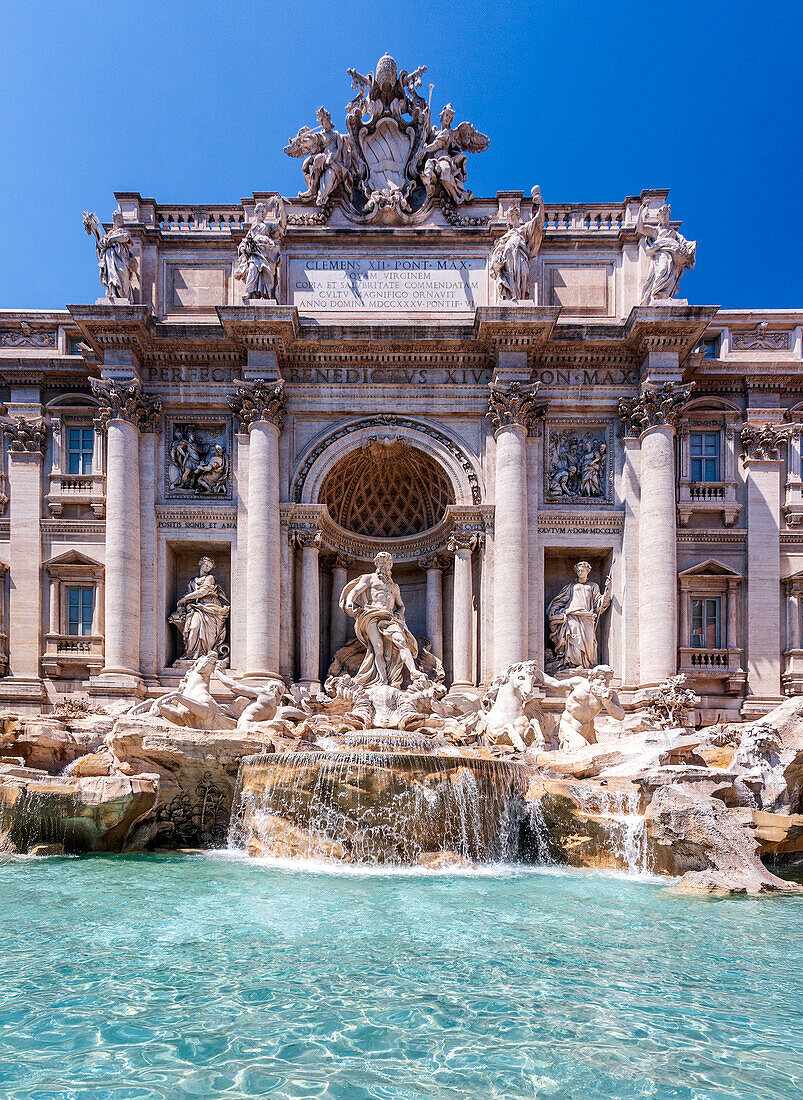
[(387, 283)]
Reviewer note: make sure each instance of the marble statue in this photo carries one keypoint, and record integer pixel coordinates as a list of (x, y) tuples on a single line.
[(588, 695), (259, 702), (329, 159), (573, 617), (202, 613), (191, 704), (260, 253), (115, 251), (669, 252), (511, 255), (504, 719), (444, 156), (374, 602), (196, 465)]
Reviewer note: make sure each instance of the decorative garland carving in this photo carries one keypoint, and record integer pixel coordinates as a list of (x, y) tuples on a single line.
[(761, 442), (514, 404), (258, 400), (655, 407), (391, 421), (126, 401)]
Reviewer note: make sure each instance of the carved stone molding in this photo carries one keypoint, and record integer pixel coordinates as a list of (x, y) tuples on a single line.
[(761, 340), (464, 538), (761, 442), (305, 538), (433, 561), (258, 400), (655, 407), (126, 401), (514, 405), (387, 420), (27, 337), (26, 435)]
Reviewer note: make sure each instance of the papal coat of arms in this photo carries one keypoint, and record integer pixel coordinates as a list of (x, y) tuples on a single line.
[(392, 162)]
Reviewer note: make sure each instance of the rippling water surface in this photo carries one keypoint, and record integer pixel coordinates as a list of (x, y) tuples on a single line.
[(210, 976)]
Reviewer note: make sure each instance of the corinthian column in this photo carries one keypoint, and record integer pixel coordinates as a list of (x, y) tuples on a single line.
[(27, 445), (762, 460), (339, 619), (259, 406), (310, 625), (511, 410), (125, 411), (652, 416), (462, 545), (433, 567)]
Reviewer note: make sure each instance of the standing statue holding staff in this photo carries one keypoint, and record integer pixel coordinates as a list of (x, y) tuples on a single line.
[(511, 255), (115, 252), (260, 252), (670, 255), (573, 616)]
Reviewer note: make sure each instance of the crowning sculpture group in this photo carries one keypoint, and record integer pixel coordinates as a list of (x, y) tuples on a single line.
[(392, 165)]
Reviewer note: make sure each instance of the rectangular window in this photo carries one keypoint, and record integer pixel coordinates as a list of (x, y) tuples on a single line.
[(710, 347), (80, 605), (704, 455), (80, 445), (705, 620)]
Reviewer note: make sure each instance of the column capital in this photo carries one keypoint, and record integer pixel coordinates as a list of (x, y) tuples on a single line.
[(514, 405), (126, 400), (465, 539), (433, 561), (761, 442), (258, 400), (655, 407), (305, 537), (26, 436)]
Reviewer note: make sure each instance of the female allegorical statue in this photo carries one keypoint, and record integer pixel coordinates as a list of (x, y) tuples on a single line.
[(573, 616), (260, 252), (511, 255), (202, 613), (115, 254), (670, 255)]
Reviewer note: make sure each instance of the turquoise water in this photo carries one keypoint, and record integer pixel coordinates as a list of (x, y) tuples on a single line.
[(210, 976)]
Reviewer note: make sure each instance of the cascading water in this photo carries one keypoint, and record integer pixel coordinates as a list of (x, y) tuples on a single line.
[(380, 797), (618, 811)]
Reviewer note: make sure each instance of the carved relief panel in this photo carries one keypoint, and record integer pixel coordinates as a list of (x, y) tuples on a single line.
[(577, 462), (198, 458)]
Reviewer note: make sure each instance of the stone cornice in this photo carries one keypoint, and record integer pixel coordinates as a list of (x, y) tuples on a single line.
[(126, 400), (260, 327), (655, 407), (675, 328), (258, 400), (514, 405), (515, 326)]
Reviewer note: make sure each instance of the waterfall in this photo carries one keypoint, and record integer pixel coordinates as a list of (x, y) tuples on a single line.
[(618, 812), (379, 798)]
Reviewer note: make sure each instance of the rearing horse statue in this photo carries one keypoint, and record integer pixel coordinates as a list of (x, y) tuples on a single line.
[(503, 719)]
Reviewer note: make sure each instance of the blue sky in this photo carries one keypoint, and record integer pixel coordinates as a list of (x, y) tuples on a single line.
[(193, 101)]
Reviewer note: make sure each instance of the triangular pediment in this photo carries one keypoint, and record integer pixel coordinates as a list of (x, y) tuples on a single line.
[(710, 568), (72, 557)]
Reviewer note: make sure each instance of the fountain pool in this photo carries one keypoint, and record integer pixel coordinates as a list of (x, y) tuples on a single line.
[(216, 975)]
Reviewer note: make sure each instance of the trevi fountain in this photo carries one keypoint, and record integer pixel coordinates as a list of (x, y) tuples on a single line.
[(434, 727)]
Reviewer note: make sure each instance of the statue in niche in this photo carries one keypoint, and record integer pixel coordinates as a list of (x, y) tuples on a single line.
[(444, 156), (573, 617), (588, 695), (329, 159), (202, 613), (260, 252), (195, 464), (374, 602), (669, 252), (577, 465), (115, 251), (511, 255)]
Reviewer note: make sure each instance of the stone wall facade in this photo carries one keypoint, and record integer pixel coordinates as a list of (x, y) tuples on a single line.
[(390, 398)]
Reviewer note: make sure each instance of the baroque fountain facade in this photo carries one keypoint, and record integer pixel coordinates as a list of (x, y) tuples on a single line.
[(388, 523)]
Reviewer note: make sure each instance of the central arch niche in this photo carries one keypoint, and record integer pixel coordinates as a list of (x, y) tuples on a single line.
[(386, 489)]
